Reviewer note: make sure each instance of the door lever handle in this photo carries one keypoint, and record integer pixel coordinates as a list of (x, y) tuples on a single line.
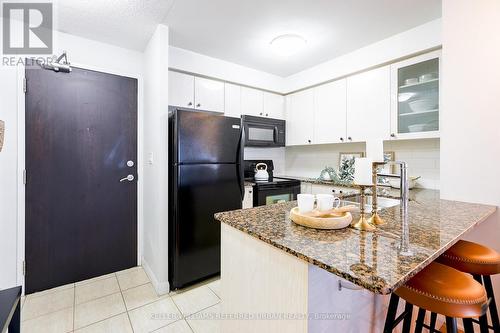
[(129, 178)]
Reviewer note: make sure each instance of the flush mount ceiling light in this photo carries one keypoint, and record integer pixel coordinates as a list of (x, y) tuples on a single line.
[(287, 45)]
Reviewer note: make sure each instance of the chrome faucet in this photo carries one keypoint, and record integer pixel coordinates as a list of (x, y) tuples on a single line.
[(404, 186)]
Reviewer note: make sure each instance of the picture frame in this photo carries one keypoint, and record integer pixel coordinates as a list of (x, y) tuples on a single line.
[(389, 156), (350, 155)]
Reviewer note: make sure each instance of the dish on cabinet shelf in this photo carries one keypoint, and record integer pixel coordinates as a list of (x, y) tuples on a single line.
[(419, 83), (423, 104), (416, 127), (410, 81), (427, 77)]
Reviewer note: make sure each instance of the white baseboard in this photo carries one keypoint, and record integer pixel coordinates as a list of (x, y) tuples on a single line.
[(161, 288)]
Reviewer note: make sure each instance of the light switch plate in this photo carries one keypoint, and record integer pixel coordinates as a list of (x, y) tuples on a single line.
[(150, 158)]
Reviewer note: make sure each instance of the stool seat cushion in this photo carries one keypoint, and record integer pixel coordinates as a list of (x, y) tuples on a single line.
[(472, 258), (445, 290)]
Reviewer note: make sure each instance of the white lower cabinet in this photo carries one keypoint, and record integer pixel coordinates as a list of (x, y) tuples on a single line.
[(330, 189), (248, 198)]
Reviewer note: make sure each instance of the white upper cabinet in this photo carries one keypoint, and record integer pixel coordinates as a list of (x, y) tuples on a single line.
[(232, 105), (300, 118), (188, 91), (369, 105), (274, 106), (209, 94), (415, 97), (252, 102), (330, 113), (180, 89)]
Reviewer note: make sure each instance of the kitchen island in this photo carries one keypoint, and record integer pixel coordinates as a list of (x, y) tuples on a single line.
[(279, 276)]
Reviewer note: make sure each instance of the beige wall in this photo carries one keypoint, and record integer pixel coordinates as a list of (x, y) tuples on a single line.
[(470, 134)]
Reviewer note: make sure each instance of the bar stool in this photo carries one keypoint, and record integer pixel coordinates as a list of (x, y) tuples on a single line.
[(441, 290), (481, 262)]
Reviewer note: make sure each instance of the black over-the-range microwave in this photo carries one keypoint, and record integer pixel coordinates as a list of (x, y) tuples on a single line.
[(263, 132)]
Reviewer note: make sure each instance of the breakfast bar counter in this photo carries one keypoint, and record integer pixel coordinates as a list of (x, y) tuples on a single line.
[(370, 261)]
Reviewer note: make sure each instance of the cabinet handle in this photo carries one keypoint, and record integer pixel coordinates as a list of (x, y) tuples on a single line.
[(393, 135), (342, 139), (309, 141), (349, 138), (333, 191), (190, 103), (261, 113), (198, 105), (267, 115)]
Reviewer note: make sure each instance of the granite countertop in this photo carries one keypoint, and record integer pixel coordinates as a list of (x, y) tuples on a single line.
[(368, 259)]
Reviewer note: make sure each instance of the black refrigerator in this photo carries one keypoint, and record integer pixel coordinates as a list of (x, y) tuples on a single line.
[(205, 177)]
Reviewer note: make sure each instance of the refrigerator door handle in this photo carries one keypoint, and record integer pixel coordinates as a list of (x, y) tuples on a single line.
[(240, 164)]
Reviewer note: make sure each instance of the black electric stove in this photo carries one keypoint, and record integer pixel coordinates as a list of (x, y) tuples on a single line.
[(275, 189)]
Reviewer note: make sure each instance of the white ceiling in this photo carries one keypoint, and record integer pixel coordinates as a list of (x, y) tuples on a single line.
[(125, 23), (240, 31)]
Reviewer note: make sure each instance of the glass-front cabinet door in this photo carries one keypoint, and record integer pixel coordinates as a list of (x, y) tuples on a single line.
[(415, 97)]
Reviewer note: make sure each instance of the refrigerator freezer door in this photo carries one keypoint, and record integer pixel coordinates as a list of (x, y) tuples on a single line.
[(203, 190), (207, 138)]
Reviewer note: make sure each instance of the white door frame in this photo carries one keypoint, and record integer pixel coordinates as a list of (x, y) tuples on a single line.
[(21, 162)]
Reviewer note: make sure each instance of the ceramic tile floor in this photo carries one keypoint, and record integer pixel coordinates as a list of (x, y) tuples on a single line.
[(122, 302)]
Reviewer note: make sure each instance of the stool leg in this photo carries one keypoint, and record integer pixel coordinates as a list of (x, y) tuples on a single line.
[(493, 305), (420, 321), (451, 325), (407, 320), (432, 324), (468, 327), (391, 313), (483, 320)]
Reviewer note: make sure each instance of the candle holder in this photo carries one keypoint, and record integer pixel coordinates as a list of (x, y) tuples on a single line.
[(375, 219), (363, 223)]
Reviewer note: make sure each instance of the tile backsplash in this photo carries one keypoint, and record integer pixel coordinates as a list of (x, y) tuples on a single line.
[(422, 157), (275, 154)]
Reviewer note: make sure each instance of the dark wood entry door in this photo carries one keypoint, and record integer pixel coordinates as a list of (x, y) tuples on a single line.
[(81, 220)]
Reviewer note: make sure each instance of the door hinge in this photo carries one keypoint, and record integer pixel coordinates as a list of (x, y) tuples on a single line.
[(25, 85), (24, 268), (24, 177)]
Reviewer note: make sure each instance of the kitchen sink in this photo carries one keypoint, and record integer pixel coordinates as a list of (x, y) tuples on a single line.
[(382, 202)]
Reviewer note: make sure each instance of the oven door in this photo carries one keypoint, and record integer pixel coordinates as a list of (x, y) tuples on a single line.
[(272, 195), (263, 132)]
